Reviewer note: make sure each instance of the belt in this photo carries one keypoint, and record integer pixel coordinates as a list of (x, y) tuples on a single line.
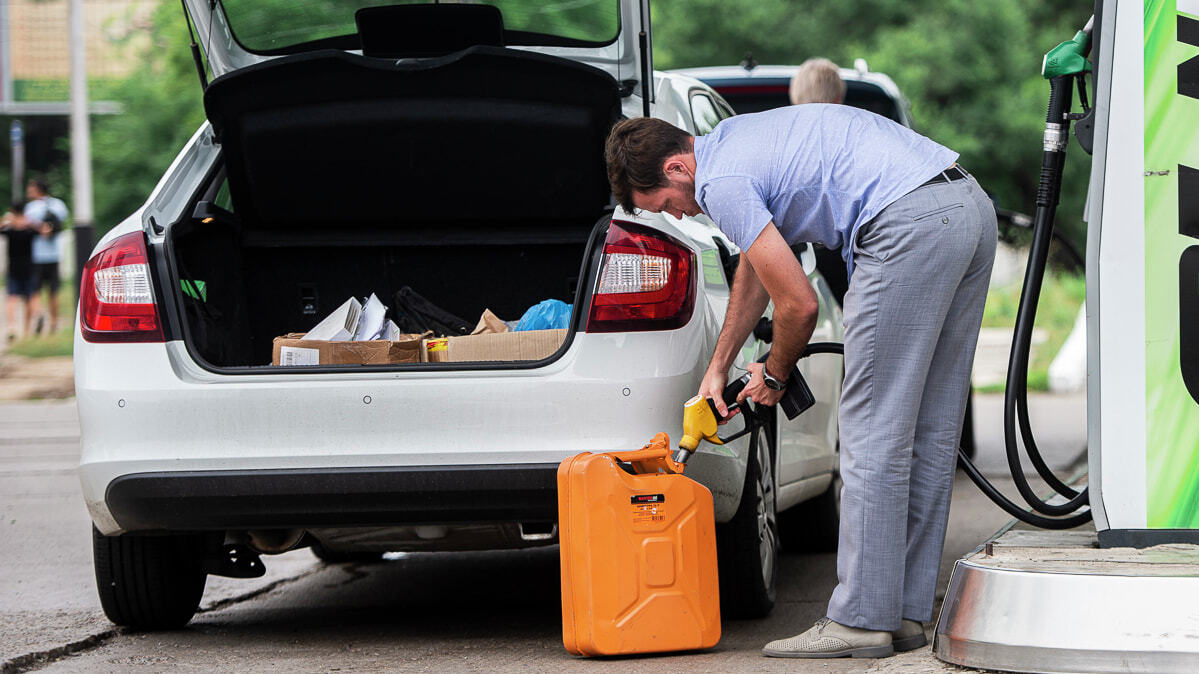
[(949, 175)]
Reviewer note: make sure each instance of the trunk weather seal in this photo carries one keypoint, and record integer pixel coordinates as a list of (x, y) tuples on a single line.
[(167, 279)]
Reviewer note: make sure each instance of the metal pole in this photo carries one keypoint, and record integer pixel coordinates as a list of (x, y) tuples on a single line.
[(16, 138), (6, 94), (81, 142)]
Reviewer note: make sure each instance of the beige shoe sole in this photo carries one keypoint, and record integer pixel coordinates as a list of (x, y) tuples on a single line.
[(861, 652)]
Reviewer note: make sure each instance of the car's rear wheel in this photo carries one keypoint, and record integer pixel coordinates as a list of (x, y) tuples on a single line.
[(149, 582), (748, 545)]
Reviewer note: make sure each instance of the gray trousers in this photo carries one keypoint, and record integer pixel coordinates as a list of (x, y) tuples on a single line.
[(912, 316)]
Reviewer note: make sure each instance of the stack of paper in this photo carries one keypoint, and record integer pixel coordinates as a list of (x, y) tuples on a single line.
[(356, 321), (339, 326)]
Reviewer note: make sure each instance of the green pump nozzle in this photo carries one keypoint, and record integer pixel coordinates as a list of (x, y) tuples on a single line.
[(1069, 57)]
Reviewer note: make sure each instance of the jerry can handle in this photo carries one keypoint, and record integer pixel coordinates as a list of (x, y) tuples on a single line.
[(651, 458)]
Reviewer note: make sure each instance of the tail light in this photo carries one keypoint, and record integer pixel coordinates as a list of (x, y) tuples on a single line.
[(116, 301), (646, 282)]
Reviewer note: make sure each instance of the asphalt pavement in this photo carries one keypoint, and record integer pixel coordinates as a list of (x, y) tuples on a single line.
[(495, 611)]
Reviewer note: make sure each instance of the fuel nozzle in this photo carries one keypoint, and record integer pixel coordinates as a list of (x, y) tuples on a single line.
[(701, 419), (699, 423)]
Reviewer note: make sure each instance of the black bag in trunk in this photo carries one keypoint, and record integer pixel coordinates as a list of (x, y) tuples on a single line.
[(415, 315)]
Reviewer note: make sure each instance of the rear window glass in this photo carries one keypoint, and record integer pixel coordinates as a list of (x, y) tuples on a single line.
[(276, 25), (759, 96)]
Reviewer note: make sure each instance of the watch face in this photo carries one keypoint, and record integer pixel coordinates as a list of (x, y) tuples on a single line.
[(772, 383)]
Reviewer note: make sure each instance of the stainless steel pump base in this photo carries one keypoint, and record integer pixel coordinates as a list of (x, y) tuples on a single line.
[(1046, 601)]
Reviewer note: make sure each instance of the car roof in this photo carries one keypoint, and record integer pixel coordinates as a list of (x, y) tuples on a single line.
[(711, 73), (774, 75)]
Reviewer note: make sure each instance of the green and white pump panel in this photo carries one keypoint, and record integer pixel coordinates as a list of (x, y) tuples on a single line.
[(1143, 275)]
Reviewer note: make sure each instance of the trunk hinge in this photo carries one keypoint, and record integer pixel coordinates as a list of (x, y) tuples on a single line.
[(196, 56)]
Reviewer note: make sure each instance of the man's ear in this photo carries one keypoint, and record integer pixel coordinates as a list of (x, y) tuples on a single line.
[(675, 167)]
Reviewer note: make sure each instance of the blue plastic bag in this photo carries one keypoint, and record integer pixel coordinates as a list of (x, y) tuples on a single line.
[(545, 315)]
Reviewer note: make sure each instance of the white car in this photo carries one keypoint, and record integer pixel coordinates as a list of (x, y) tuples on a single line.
[(348, 154)]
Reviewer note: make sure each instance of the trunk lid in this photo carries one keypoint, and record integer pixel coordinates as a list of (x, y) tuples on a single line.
[(605, 34), (484, 138)]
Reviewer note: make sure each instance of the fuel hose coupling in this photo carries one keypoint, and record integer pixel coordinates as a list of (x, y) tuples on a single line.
[(1056, 137)]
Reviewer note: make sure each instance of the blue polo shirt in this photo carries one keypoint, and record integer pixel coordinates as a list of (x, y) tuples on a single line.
[(818, 171)]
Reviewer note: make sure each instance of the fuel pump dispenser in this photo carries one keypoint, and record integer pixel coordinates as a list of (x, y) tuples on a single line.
[(1104, 599)]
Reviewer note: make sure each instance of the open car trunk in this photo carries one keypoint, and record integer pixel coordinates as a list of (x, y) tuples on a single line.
[(474, 178)]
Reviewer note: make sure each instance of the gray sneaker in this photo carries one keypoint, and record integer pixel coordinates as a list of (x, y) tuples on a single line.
[(830, 639), (908, 637)]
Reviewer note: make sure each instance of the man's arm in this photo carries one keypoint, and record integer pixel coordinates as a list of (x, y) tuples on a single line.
[(747, 302), (795, 311)]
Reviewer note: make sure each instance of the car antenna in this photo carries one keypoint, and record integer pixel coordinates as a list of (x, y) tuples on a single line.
[(749, 62)]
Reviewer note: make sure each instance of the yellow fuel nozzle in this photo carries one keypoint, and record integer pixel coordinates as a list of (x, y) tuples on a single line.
[(699, 423)]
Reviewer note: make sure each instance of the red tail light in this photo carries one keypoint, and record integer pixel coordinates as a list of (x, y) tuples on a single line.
[(646, 282), (116, 302)]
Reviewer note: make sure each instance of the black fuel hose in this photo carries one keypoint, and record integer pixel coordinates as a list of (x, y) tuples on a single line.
[(973, 473), (1045, 515), (1015, 412)]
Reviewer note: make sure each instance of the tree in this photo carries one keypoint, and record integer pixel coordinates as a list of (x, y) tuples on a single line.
[(162, 109), (970, 69)]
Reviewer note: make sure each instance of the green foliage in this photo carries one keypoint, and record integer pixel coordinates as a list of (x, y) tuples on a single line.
[(162, 109), (970, 69), (61, 343), (1061, 296)]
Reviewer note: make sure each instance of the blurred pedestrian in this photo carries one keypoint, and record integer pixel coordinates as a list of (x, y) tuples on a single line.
[(19, 282), (817, 81), (47, 214)]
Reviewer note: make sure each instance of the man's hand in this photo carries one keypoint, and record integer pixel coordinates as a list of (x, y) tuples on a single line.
[(712, 387), (757, 390)]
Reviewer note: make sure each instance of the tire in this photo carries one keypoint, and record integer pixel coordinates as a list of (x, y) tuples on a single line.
[(336, 557), (149, 582), (814, 525), (747, 546)]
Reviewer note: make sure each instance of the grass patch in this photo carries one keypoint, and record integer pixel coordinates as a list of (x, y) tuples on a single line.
[(1061, 296), (60, 343)]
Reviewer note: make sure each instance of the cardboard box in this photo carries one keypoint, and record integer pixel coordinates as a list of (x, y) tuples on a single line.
[(526, 345), (292, 349), (434, 350)]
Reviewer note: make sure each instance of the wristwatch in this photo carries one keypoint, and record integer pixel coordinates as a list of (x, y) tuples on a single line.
[(772, 383)]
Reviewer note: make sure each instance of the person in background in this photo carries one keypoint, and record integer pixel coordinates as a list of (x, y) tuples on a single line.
[(48, 214), (19, 283), (817, 81)]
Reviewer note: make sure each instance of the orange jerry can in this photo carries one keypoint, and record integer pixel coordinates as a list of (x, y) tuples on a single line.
[(638, 554)]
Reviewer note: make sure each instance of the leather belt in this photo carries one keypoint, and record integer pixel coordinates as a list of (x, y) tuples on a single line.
[(950, 174)]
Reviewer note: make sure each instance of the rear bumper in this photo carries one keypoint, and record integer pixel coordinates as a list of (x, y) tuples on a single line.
[(147, 410), (345, 497)]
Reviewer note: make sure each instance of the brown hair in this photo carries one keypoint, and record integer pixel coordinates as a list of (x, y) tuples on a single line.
[(636, 150), (817, 81)]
